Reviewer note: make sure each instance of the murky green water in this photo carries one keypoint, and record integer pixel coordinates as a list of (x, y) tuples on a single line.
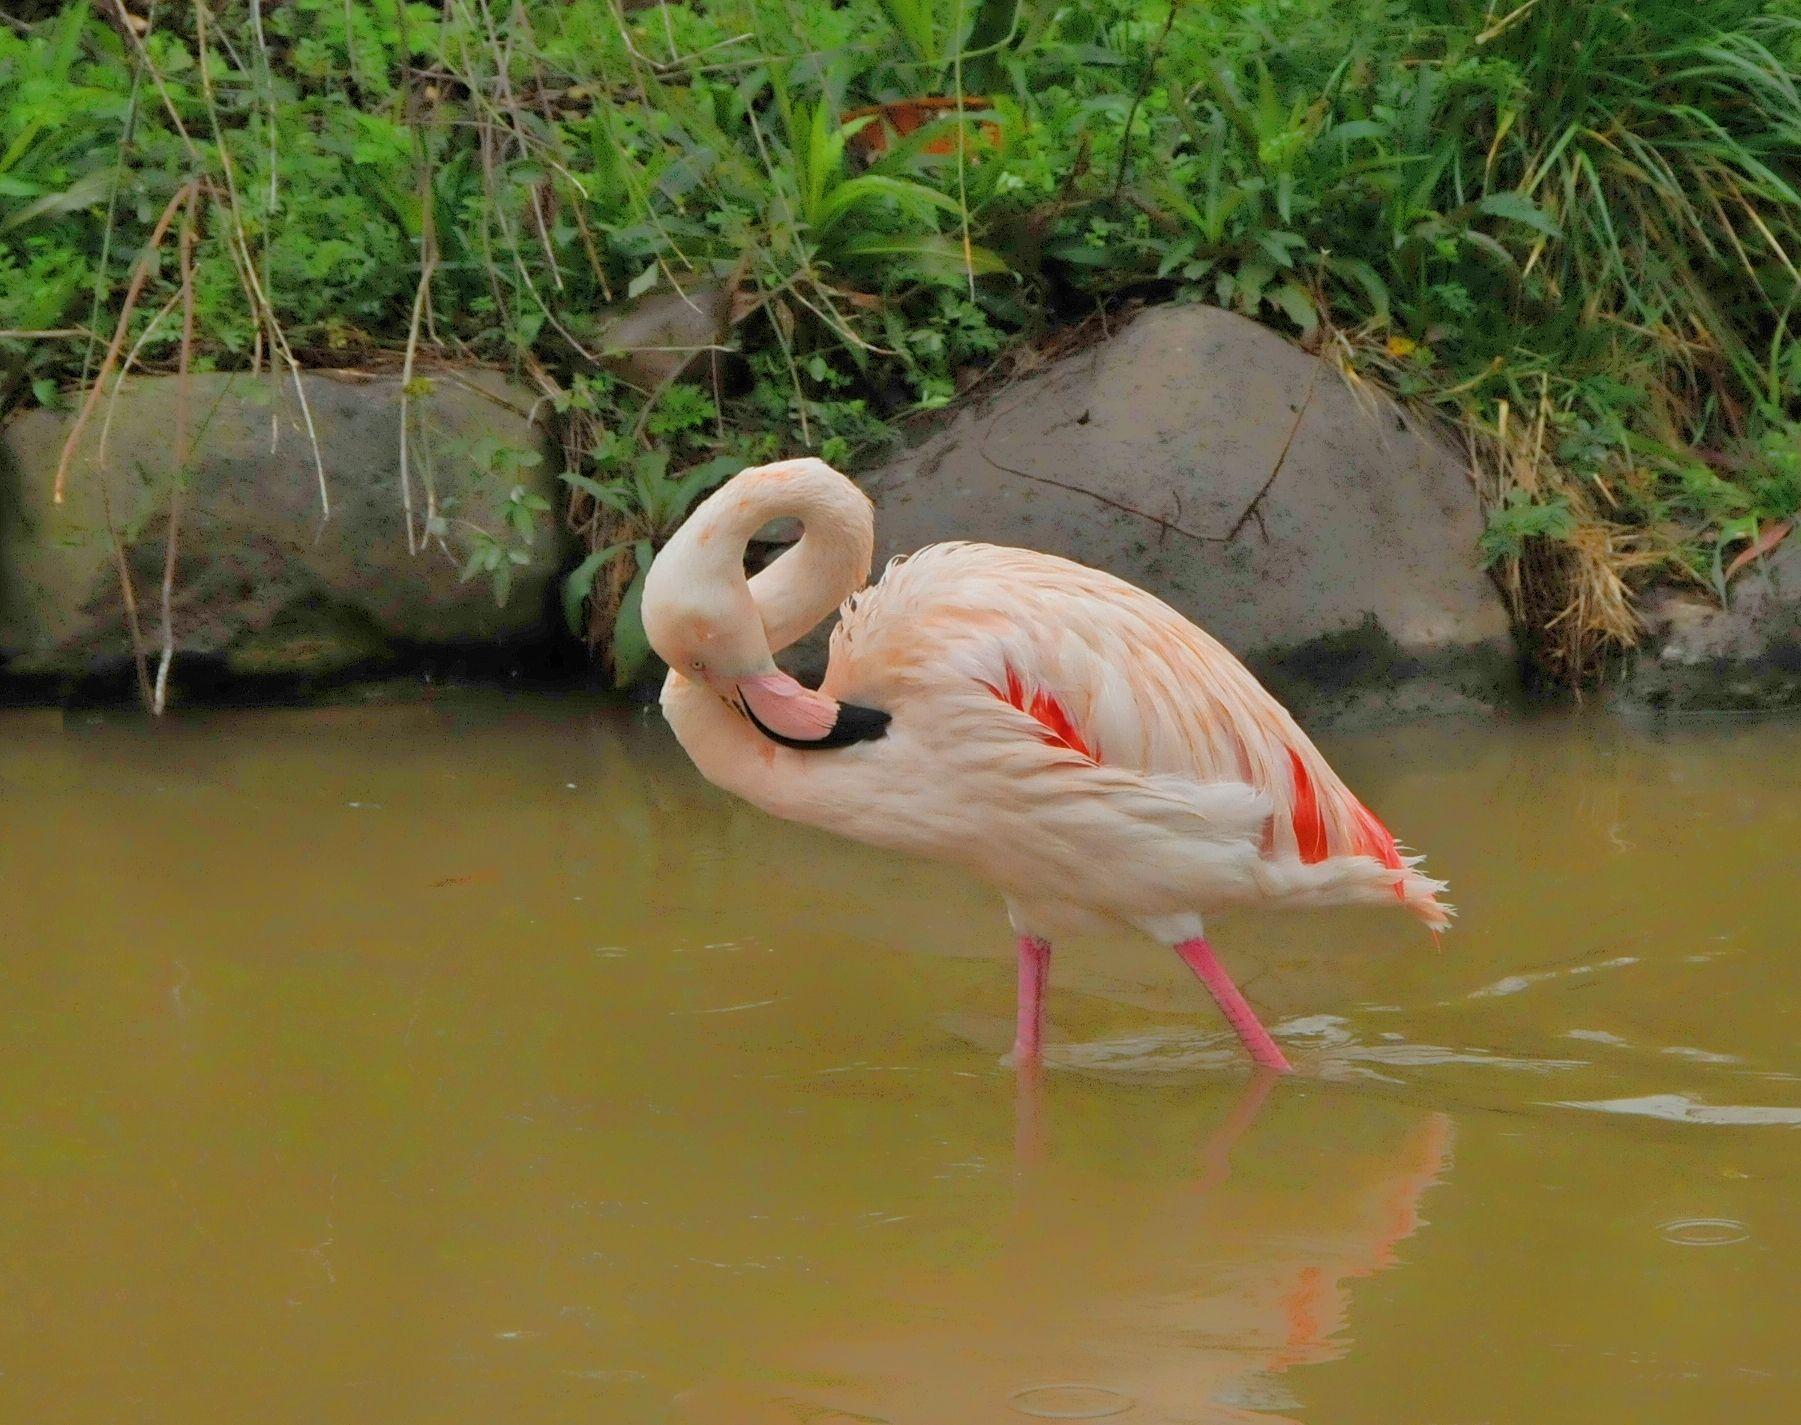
[(480, 1064)]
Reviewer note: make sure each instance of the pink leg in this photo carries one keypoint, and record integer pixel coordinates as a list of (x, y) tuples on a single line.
[(1201, 959), (1034, 965)]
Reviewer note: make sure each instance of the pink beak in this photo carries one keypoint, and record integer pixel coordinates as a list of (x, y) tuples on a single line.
[(788, 709), (796, 716)]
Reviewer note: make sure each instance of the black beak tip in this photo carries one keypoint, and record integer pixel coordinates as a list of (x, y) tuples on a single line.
[(858, 724)]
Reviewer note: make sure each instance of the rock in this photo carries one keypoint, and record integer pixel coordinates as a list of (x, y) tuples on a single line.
[(1700, 657), (263, 584), (1315, 531), (651, 340)]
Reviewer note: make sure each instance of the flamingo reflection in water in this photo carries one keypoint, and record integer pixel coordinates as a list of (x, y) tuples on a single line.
[(1180, 1304)]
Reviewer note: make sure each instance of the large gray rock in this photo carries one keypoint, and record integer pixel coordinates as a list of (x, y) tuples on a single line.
[(1700, 657), (1312, 530), (262, 582)]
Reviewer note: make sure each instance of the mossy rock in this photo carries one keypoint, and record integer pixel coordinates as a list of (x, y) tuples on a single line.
[(265, 580), (1699, 656), (1319, 532)]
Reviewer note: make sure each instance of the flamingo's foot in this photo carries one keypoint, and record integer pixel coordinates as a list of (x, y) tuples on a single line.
[(1263, 1049)]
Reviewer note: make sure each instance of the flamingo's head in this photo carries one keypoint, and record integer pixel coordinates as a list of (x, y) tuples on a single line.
[(702, 620), (713, 636), (708, 631)]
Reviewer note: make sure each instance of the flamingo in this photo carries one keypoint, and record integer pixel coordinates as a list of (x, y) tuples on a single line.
[(1061, 733)]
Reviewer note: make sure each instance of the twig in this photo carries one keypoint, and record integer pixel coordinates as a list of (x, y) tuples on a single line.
[(1250, 510), (156, 78), (969, 257), (140, 274), (1158, 521), (1165, 525), (1144, 84), (247, 272), (160, 693), (429, 261), (131, 360), (126, 592)]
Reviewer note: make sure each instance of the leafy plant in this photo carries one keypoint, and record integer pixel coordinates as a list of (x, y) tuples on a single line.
[(649, 503), (1519, 518), (1590, 214), (495, 552)]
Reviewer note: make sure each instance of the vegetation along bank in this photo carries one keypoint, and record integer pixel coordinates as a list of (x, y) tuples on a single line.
[(681, 238)]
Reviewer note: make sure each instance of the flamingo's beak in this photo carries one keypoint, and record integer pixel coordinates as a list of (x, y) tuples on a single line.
[(797, 716)]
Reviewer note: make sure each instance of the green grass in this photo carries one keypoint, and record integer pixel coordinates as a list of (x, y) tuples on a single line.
[(1571, 228)]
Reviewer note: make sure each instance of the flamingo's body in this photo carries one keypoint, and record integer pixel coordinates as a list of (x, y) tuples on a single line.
[(1064, 735)]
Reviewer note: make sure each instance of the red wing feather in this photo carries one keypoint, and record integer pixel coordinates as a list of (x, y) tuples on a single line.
[(1060, 728), (1309, 825)]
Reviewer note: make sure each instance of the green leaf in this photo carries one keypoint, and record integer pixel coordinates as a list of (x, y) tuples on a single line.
[(916, 22), (1079, 254), (937, 253), (631, 648), (1518, 208), (1356, 270), (1519, 518), (691, 484), (88, 191), (579, 583), (871, 189), (614, 497), (1297, 305)]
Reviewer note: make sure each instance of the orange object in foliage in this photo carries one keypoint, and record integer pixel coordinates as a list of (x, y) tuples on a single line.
[(904, 116)]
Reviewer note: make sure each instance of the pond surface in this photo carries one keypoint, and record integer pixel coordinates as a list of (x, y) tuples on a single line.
[(478, 1063)]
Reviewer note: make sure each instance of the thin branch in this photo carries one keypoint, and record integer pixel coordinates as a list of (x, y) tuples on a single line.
[(1107, 500), (132, 626), (1144, 84), (140, 274), (1250, 510), (160, 692), (430, 260), (247, 272)]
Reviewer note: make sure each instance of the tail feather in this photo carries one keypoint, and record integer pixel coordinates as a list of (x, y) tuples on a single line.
[(1357, 880), (1368, 838), (1420, 893)]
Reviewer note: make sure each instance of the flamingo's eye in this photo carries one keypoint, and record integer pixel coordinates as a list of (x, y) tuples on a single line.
[(699, 665)]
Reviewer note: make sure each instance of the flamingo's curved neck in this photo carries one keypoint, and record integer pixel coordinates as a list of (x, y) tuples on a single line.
[(809, 580)]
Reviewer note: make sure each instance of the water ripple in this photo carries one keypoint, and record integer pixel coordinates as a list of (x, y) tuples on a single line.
[(1071, 1402), (1513, 984), (1327, 1039), (1705, 1232), (1680, 1108)]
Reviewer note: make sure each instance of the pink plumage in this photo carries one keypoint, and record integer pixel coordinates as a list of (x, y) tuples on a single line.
[(1064, 735)]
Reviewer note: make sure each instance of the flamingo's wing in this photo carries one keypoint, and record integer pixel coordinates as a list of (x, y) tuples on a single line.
[(1104, 671)]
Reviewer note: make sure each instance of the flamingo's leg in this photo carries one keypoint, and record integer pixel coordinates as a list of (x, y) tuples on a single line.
[(1201, 959), (1028, 1115), (1034, 967)]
